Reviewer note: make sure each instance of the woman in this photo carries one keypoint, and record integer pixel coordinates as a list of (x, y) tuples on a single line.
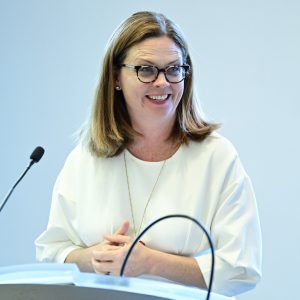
[(148, 153)]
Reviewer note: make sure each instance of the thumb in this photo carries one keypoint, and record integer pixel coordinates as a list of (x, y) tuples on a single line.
[(123, 229)]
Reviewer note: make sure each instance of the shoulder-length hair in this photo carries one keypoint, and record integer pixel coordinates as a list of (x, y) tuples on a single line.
[(109, 129)]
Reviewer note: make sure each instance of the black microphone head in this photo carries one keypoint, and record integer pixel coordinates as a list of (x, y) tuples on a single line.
[(37, 154)]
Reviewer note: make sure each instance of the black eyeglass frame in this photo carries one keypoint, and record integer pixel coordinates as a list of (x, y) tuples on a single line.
[(185, 67)]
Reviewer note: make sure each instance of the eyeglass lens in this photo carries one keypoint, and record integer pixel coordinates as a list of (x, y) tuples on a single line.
[(173, 74)]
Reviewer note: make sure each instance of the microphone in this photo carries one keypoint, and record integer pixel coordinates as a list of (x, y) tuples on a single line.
[(35, 157), (137, 239), (37, 154)]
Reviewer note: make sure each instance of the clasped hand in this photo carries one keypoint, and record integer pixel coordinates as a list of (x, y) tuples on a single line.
[(108, 258)]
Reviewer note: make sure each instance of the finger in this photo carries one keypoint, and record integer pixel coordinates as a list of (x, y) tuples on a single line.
[(124, 228), (105, 256), (100, 267), (119, 239), (108, 268), (110, 247)]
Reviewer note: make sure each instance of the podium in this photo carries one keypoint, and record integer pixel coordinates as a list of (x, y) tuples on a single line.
[(65, 281)]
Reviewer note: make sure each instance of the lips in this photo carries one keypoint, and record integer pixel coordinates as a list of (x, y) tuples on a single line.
[(158, 98)]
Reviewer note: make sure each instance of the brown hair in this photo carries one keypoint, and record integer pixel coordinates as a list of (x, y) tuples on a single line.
[(110, 130)]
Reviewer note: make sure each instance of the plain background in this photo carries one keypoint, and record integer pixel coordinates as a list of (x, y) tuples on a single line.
[(247, 61)]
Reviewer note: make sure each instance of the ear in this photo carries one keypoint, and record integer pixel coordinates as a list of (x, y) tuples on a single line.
[(116, 77), (117, 85)]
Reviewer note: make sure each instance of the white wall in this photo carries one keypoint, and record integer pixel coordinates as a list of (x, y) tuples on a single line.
[(246, 56)]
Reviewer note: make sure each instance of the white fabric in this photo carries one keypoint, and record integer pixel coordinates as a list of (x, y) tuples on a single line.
[(142, 178), (204, 180)]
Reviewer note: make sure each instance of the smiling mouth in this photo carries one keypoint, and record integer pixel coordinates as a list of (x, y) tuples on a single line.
[(159, 98)]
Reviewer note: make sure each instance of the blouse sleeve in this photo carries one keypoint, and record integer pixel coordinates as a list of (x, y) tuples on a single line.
[(236, 234), (60, 237)]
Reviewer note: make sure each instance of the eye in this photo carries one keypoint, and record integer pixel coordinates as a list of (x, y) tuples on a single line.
[(147, 71), (174, 70)]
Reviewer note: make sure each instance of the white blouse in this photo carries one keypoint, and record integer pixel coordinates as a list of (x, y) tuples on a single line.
[(204, 180)]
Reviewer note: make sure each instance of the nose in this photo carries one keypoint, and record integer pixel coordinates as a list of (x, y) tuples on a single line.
[(161, 80)]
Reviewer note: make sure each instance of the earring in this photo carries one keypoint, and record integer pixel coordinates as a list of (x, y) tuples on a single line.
[(118, 88)]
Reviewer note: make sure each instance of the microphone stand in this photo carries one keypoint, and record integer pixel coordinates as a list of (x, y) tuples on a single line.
[(12, 189), (35, 157)]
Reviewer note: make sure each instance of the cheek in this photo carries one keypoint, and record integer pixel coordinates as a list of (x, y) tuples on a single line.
[(133, 92), (178, 90)]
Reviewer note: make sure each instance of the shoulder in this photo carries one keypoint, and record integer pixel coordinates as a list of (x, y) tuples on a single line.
[(78, 155), (214, 146), (82, 169), (81, 161), (215, 154), (218, 158)]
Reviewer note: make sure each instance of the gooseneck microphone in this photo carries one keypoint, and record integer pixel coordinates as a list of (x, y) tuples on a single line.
[(138, 238), (35, 157)]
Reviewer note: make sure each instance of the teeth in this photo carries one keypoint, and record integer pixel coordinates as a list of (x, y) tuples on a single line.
[(158, 98)]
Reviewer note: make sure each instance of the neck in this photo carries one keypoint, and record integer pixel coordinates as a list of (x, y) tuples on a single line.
[(154, 143), (154, 128)]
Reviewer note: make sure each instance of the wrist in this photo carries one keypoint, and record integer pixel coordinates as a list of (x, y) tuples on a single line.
[(151, 260)]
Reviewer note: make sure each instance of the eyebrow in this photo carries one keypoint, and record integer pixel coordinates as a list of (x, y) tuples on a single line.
[(145, 61)]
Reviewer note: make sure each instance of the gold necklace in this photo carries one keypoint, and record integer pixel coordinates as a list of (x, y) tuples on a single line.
[(129, 193)]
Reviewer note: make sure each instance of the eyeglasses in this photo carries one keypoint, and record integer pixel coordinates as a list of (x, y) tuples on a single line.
[(148, 74)]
